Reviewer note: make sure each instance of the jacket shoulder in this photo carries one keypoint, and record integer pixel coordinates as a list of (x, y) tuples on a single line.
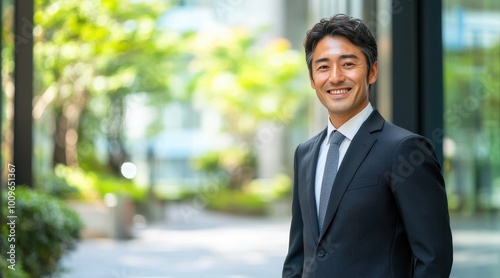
[(389, 134), (397, 131), (376, 124), (312, 141)]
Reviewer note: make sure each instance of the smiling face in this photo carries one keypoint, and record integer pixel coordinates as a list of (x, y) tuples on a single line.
[(340, 77)]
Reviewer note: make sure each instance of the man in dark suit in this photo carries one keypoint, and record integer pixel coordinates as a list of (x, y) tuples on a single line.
[(372, 203)]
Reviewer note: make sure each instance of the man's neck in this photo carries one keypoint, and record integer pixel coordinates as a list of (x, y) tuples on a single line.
[(338, 120)]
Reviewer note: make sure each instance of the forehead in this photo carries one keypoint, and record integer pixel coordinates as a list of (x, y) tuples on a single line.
[(335, 46)]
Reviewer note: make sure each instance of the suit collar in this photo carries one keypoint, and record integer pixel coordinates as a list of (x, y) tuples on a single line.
[(375, 122)]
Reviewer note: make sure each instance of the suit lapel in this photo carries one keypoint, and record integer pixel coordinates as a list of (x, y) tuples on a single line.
[(312, 161), (358, 150)]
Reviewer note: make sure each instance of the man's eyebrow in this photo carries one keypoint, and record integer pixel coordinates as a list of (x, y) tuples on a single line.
[(341, 57), (348, 56), (320, 60)]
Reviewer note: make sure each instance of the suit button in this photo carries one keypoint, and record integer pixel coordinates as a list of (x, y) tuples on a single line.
[(321, 253)]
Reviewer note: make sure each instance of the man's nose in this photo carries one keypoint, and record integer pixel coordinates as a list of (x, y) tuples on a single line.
[(336, 75)]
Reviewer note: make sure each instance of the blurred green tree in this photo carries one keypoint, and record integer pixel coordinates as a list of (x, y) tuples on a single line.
[(250, 83), (89, 55)]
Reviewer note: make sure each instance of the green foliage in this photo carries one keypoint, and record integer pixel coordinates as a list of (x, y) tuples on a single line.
[(239, 163), (174, 192), (473, 4), (103, 47), (254, 198), (89, 56), (271, 189), (122, 187), (46, 229), (209, 162), (5, 272), (246, 81), (472, 122), (473, 98), (238, 202), (92, 185), (57, 186), (226, 159)]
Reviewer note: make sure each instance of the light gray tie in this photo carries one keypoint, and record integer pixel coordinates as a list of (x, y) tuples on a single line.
[(331, 165)]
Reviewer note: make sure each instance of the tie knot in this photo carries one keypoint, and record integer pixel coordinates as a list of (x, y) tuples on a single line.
[(336, 138)]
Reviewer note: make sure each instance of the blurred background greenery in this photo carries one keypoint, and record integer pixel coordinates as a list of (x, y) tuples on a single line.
[(101, 63)]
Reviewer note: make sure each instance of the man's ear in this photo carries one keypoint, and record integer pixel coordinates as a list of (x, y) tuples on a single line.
[(372, 76)]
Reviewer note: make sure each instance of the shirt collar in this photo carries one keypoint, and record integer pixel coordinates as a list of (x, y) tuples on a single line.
[(351, 127)]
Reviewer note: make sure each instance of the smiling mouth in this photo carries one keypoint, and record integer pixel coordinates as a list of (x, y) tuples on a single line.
[(338, 91)]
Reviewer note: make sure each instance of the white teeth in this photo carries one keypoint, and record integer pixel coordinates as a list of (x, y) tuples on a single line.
[(338, 92)]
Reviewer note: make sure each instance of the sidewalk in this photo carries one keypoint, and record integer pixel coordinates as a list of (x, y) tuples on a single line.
[(195, 244), (476, 246), (204, 244)]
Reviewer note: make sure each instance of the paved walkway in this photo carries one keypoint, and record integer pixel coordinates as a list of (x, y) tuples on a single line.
[(476, 246), (203, 244)]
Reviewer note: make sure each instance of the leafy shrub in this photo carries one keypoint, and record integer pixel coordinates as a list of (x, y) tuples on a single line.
[(5, 272), (271, 189), (46, 229), (91, 185), (238, 202), (239, 164), (57, 186)]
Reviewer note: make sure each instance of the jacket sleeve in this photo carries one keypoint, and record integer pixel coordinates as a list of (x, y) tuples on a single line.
[(294, 260), (420, 194)]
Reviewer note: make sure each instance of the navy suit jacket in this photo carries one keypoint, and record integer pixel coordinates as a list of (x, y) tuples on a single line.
[(387, 215)]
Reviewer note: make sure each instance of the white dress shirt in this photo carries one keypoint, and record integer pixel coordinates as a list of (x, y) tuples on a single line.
[(349, 129)]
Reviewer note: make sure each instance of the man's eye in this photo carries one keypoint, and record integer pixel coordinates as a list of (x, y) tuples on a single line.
[(348, 64), (323, 67)]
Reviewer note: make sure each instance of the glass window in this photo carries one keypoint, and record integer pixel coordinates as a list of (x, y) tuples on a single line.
[(471, 41)]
